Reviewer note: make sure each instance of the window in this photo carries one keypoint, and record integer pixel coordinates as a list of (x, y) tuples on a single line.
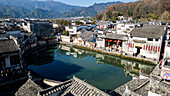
[(130, 26), (154, 48), (151, 48), (150, 39), (14, 60), (119, 28), (143, 47), (168, 42), (158, 49), (156, 39)]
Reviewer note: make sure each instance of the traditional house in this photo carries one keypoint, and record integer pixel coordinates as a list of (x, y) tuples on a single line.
[(167, 45), (115, 42), (72, 87), (87, 38), (125, 28), (41, 28), (65, 38), (10, 59), (102, 24), (75, 30), (146, 42)]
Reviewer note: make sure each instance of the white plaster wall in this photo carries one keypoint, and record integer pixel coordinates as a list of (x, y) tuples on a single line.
[(167, 52), (7, 61), (152, 94), (65, 38), (99, 44)]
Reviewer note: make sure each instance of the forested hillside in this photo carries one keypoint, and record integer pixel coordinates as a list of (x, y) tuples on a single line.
[(147, 9)]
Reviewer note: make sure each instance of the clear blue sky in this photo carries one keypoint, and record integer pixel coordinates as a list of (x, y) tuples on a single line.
[(88, 2)]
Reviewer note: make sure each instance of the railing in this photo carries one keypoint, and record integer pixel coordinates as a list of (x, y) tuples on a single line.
[(10, 73)]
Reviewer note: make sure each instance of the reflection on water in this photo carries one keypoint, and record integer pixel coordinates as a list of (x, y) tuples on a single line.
[(103, 71)]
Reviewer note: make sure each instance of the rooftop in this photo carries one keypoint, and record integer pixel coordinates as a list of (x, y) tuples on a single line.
[(148, 32), (115, 36), (72, 87), (7, 46), (87, 35)]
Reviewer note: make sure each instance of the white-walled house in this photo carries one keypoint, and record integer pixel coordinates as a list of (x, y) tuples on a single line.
[(65, 38), (146, 42), (125, 28), (55, 25), (102, 24), (71, 29), (87, 38), (116, 42), (167, 45), (75, 30), (9, 50)]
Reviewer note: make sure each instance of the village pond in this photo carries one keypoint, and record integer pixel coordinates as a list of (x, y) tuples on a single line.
[(105, 72)]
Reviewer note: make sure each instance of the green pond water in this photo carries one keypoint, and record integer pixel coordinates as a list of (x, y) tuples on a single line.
[(102, 71)]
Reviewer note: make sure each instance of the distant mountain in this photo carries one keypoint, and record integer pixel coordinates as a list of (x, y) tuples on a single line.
[(12, 11), (47, 9), (44, 5), (38, 13), (88, 11)]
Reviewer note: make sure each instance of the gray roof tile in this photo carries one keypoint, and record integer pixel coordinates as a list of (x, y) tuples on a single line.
[(148, 32), (8, 46)]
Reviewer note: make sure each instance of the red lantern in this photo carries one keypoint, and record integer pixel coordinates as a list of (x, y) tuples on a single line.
[(106, 39), (110, 40), (111, 46), (115, 41), (120, 41)]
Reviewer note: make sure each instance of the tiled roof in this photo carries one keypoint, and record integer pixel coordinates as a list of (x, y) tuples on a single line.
[(148, 32), (8, 46), (30, 88), (87, 35), (115, 36), (81, 88), (102, 23), (72, 87), (28, 34)]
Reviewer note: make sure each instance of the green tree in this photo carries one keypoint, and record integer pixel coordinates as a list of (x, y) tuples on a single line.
[(79, 23), (109, 14), (66, 33), (99, 16), (94, 22), (165, 16), (114, 19)]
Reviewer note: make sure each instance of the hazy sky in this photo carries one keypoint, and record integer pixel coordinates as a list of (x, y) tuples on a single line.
[(88, 2)]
